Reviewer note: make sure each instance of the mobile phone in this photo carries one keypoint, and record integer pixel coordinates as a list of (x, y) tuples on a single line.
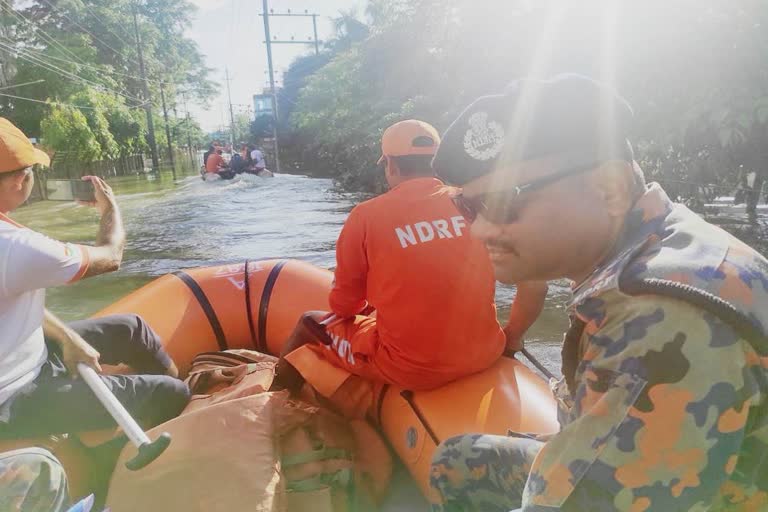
[(70, 190)]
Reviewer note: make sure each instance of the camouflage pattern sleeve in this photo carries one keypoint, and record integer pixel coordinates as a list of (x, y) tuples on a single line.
[(32, 480), (659, 411)]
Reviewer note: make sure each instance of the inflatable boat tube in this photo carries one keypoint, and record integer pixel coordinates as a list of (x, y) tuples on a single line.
[(256, 304)]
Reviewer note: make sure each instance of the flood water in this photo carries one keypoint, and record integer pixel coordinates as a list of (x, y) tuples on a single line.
[(183, 223)]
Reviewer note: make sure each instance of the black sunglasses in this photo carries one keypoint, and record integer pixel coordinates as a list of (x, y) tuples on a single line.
[(503, 207)]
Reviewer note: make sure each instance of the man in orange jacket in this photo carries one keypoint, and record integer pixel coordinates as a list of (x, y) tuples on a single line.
[(408, 255)]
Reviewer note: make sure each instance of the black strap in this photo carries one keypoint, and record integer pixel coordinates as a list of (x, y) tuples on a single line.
[(202, 299), (248, 312), (571, 352), (408, 396), (266, 294), (726, 312)]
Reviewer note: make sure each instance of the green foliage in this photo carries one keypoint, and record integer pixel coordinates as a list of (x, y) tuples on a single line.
[(694, 71), (187, 131), (85, 53), (243, 128), (105, 127), (66, 129)]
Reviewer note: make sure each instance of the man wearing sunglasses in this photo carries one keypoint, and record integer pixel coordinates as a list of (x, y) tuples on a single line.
[(662, 403), (408, 255)]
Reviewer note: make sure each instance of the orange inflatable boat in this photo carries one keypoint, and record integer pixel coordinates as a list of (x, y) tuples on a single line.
[(256, 304)]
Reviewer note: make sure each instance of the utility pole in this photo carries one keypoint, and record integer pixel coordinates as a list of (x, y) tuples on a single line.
[(167, 130), (268, 38), (147, 97), (232, 135), (269, 42), (314, 26), (189, 126)]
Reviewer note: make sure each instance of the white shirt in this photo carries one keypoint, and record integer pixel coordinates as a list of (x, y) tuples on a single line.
[(258, 157), (29, 263)]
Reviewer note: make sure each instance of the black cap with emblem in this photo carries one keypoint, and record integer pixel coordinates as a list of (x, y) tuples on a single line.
[(533, 119)]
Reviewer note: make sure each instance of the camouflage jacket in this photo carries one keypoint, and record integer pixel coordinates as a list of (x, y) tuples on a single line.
[(665, 403)]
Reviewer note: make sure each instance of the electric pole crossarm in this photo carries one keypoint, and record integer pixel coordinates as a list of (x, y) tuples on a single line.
[(312, 43), (287, 14), (306, 14)]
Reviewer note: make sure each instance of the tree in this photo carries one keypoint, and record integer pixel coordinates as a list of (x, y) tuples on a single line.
[(67, 129), (693, 70), (85, 50), (261, 127)]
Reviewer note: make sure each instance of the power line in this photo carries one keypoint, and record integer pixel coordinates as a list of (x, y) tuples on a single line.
[(284, 98), (14, 86), (40, 53), (59, 103), (50, 67), (97, 18), (47, 37), (116, 52)]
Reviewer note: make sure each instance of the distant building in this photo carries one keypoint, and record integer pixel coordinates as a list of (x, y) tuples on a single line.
[(262, 104)]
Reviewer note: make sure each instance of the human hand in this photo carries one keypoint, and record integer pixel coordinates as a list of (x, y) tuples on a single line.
[(105, 198), (76, 350)]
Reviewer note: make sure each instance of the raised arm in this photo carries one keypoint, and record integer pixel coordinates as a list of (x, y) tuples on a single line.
[(107, 254)]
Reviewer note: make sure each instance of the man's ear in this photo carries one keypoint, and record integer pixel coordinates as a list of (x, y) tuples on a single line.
[(390, 167), (14, 182), (614, 182)]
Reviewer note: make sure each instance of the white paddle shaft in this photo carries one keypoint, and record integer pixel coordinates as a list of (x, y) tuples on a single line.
[(113, 406)]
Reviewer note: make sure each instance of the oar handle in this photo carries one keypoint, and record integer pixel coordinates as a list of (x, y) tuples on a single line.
[(148, 450), (318, 329)]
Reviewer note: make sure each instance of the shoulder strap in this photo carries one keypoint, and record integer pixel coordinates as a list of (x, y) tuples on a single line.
[(571, 353), (725, 311)]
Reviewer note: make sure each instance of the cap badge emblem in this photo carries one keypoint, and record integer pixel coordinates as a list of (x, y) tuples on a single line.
[(484, 140)]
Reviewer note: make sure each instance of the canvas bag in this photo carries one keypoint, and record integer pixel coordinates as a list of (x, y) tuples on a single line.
[(314, 453), (222, 457)]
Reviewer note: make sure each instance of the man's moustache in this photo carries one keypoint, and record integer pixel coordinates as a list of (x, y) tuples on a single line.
[(501, 246)]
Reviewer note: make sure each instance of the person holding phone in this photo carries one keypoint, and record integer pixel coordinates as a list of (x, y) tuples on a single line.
[(39, 392)]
